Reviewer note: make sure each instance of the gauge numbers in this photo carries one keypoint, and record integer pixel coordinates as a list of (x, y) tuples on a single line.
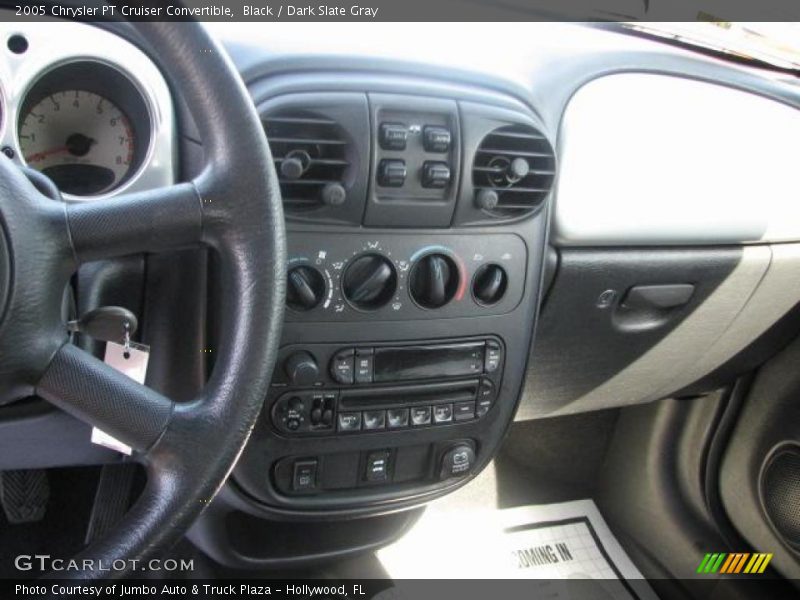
[(79, 139)]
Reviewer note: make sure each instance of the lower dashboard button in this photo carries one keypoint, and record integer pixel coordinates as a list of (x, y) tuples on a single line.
[(397, 418), (464, 411), (349, 421), (304, 476), (457, 462), (374, 419), (377, 466), (443, 413), (421, 415)]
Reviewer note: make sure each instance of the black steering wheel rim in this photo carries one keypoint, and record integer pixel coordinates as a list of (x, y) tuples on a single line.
[(234, 207)]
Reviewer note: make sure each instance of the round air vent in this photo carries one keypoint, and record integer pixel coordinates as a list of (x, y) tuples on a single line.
[(312, 157), (513, 171)]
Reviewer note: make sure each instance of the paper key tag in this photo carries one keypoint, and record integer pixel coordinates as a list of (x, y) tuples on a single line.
[(131, 361)]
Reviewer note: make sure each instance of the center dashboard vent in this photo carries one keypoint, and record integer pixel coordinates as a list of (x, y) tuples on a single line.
[(513, 171)]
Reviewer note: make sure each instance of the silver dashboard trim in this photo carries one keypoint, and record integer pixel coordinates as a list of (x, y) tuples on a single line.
[(51, 45), (648, 159)]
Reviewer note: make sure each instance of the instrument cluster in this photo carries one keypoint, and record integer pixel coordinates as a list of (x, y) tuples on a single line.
[(88, 110)]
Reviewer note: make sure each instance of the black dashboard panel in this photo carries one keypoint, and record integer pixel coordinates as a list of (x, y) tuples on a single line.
[(411, 302)]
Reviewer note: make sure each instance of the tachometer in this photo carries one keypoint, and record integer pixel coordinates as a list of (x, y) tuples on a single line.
[(79, 139)]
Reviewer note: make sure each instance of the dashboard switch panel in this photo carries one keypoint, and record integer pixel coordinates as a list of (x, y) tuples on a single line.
[(425, 195)]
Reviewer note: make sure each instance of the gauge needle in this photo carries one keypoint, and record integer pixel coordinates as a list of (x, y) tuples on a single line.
[(37, 156)]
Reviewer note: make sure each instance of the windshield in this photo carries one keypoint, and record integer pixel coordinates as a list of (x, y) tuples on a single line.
[(777, 44)]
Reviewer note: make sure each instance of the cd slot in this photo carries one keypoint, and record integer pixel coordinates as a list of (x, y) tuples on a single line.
[(408, 395)]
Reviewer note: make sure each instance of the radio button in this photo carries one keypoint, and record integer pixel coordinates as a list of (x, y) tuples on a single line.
[(485, 398), (493, 357), (477, 358), (343, 367), (443, 413), (397, 418), (464, 411), (364, 360), (349, 421), (374, 419), (420, 415)]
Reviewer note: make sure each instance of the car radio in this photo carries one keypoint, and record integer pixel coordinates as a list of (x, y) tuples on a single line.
[(378, 388)]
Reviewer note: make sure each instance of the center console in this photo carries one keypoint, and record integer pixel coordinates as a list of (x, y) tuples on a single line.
[(416, 217)]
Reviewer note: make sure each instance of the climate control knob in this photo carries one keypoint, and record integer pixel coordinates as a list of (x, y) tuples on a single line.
[(305, 288), (369, 282), (489, 285), (434, 280)]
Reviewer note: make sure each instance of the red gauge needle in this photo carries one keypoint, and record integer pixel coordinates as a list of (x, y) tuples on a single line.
[(45, 153)]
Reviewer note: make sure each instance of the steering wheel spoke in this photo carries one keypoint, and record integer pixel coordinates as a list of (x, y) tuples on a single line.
[(94, 392), (151, 221)]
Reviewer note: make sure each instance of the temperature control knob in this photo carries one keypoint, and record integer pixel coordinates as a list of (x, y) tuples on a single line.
[(369, 282), (434, 280), (490, 284), (305, 288)]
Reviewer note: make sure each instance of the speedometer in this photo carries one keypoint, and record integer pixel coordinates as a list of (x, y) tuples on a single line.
[(81, 140)]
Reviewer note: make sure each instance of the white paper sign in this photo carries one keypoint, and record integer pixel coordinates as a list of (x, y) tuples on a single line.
[(133, 363)]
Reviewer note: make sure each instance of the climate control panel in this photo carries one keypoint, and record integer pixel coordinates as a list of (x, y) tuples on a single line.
[(356, 277)]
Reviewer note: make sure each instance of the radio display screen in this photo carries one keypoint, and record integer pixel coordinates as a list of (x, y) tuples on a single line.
[(428, 362)]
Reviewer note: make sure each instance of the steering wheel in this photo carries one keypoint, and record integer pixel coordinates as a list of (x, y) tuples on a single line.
[(234, 207)]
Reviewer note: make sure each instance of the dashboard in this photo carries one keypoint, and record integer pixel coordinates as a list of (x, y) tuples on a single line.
[(444, 210), (417, 216)]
